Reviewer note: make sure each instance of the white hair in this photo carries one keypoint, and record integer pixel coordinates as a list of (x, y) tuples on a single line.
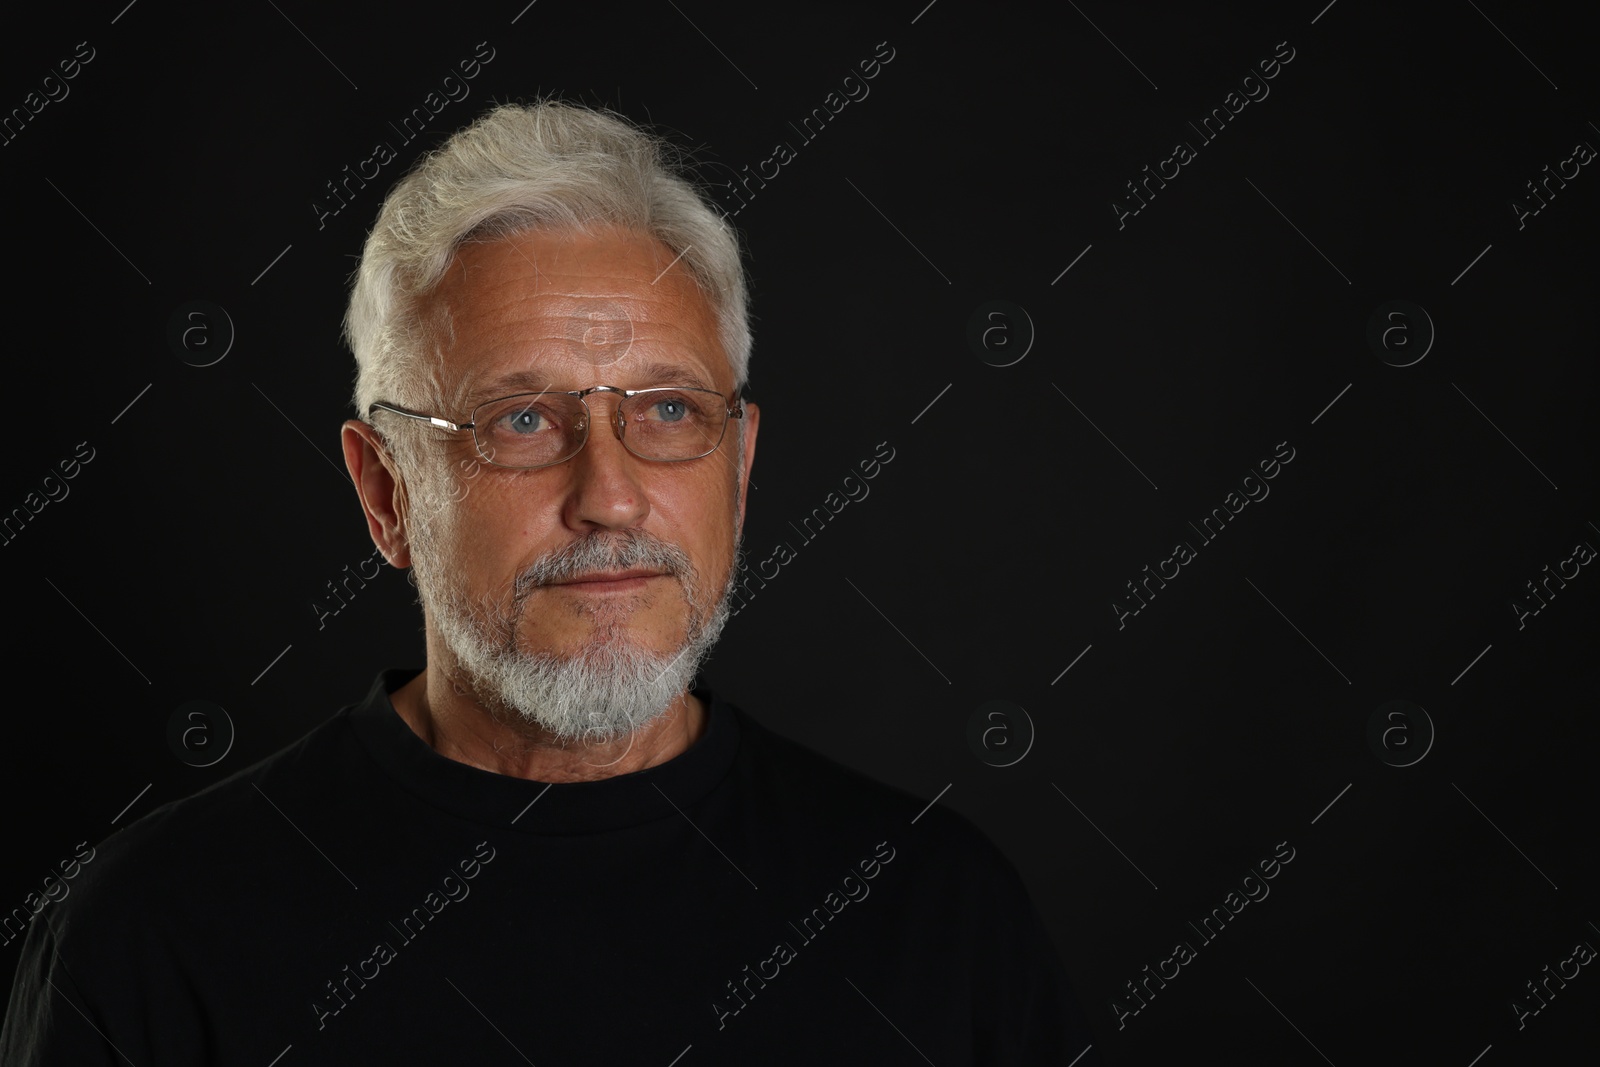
[(546, 166)]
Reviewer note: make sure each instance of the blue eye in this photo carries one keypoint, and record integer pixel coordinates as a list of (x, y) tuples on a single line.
[(671, 410), (523, 421)]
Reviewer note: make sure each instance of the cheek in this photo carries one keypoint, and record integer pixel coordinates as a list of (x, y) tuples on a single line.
[(496, 530), (695, 512), (720, 542), (708, 507)]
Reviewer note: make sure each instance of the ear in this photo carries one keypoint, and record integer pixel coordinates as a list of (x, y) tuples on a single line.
[(381, 489), (751, 422)]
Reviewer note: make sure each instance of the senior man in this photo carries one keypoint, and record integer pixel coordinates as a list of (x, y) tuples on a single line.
[(547, 846)]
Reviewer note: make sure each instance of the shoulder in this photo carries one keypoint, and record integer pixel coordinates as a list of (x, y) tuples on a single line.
[(944, 899), (806, 786), (795, 775), (197, 850)]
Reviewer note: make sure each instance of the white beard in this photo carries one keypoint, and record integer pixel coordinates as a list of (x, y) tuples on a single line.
[(609, 687)]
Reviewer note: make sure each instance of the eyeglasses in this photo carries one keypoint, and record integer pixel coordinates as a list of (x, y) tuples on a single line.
[(531, 430)]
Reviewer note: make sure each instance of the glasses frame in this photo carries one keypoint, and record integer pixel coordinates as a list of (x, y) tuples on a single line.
[(734, 409)]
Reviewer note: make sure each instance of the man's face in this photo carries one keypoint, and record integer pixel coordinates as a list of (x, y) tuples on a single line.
[(495, 550)]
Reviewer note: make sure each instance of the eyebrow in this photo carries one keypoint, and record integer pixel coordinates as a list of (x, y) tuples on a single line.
[(528, 381)]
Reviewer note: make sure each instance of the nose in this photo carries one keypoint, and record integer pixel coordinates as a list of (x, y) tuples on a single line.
[(606, 487)]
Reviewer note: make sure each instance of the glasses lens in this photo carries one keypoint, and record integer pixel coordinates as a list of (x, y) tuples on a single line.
[(670, 424), (532, 430)]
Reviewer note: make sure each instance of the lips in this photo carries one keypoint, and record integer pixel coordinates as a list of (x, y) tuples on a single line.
[(609, 576)]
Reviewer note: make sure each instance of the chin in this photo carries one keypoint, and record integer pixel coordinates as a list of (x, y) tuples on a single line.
[(592, 678), (607, 687)]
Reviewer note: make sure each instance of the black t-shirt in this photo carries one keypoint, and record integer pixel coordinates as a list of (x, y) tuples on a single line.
[(358, 898)]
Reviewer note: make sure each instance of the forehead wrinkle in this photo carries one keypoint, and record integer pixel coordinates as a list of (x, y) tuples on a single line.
[(510, 329), (538, 330)]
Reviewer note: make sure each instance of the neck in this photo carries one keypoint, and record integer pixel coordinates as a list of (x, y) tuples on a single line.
[(455, 724)]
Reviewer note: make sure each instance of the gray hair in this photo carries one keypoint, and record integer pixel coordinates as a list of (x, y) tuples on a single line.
[(546, 166)]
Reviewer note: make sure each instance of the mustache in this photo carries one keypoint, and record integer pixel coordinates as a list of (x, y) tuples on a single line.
[(623, 550)]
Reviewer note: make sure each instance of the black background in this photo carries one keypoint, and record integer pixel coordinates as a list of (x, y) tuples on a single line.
[(1224, 318)]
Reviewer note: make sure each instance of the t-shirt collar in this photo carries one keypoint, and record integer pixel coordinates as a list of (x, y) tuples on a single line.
[(534, 807)]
